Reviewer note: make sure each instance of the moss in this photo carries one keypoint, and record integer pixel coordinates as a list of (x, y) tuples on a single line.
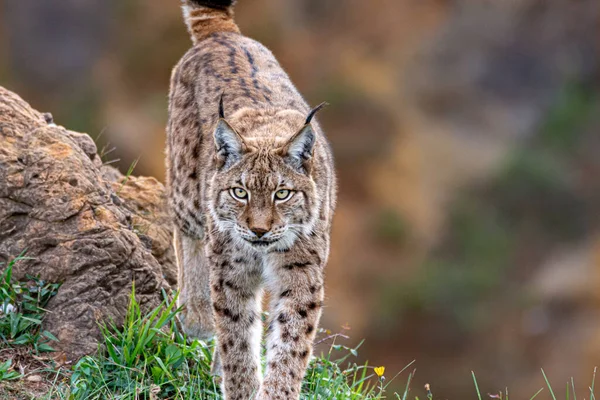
[(463, 272), (390, 227), (562, 129)]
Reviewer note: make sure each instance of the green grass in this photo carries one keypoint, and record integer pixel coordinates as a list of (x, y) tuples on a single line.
[(147, 357), (22, 310), (7, 371), (128, 175)]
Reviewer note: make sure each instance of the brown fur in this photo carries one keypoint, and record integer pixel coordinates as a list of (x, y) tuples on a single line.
[(203, 21), (229, 249)]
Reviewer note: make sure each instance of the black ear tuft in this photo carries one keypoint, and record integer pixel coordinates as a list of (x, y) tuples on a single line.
[(312, 112), (221, 112)]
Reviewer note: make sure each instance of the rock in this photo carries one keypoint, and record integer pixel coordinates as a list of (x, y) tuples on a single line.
[(79, 223), (146, 199)]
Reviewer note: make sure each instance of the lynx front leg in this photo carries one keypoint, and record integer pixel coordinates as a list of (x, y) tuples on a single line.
[(235, 292), (194, 291), (297, 294)]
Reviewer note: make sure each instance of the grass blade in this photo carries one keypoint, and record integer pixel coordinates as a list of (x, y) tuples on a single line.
[(406, 390), (476, 386), (535, 395), (592, 396), (548, 383), (128, 174)]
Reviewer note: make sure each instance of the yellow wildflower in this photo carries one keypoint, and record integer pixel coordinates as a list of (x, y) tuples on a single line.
[(379, 371)]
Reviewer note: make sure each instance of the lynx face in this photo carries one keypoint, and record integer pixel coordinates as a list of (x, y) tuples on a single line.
[(264, 197)]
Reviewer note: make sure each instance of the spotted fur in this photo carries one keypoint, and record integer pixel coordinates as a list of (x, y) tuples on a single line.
[(229, 250)]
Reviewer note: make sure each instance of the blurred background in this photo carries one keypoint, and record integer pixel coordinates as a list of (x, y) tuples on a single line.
[(467, 140)]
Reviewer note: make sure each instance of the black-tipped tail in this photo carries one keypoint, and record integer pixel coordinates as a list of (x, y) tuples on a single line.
[(205, 17), (214, 3)]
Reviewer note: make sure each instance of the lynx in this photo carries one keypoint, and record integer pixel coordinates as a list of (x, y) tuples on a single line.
[(252, 189)]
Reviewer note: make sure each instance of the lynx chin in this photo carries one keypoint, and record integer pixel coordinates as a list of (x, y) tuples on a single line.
[(252, 189)]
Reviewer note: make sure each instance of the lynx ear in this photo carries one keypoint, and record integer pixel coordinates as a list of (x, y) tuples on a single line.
[(228, 142), (298, 150), (230, 146)]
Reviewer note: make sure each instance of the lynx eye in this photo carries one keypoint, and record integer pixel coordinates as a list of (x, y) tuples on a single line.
[(283, 194), (239, 193)]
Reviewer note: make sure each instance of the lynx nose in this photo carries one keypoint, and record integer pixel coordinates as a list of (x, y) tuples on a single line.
[(260, 232)]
